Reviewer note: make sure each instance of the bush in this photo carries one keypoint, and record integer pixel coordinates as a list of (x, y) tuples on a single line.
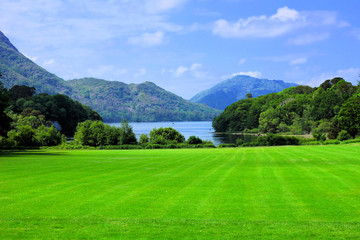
[(96, 133), (207, 145), (194, 140), (319, 136), (47, 136), (143, 139), (154, 146), (277, 140), (343, 135), (227, 145), (168, 134), (239, 142), (22, 136), (119, 147)]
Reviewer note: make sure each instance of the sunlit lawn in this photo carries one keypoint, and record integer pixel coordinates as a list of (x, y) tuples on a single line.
[(303, 192)]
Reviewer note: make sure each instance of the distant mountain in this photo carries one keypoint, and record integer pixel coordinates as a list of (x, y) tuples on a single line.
[(114, 100), (137, 102), (229, 91)]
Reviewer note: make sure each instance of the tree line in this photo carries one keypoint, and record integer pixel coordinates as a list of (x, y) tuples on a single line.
[(331, 110), (32, 120)]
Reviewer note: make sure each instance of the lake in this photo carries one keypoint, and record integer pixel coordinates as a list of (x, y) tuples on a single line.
[(202, 130)]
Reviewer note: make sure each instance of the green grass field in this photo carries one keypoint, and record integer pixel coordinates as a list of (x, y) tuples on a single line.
[(303, 192)]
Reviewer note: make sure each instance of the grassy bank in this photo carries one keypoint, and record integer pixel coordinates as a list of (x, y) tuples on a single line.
[(303, 192)]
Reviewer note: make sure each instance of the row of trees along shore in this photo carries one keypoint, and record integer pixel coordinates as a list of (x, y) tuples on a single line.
[(34, 120), (329, 111)]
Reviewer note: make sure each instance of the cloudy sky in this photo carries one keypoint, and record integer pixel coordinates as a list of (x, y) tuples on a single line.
[(186, 46)]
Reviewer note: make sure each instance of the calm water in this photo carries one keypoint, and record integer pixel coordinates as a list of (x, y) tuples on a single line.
[(203, 130)]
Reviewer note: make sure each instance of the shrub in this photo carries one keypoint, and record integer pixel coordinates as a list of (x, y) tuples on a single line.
[(343, 135), (168, 134), (47, 136), (22, 136), (194, 140), (319, 136), (143, 139), (96, 133), (227, 145), (277, 140), (153, 146), (239, 142), (207, 145)]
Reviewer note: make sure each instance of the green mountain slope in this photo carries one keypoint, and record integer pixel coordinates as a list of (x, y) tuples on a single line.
[(114, 100), (229, 91), (19, 70), (137, 102)]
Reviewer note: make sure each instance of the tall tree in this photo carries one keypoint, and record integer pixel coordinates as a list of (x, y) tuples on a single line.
[(4, 103)]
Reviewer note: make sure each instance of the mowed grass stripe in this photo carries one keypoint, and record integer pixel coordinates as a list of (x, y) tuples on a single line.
[(315, 178), (271, 192)]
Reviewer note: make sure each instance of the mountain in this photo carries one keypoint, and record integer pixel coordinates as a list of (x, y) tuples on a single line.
[(19, 70), (114, 100), (136, 102), (229, 91)]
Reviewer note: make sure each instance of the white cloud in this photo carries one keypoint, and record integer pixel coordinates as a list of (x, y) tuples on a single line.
[(107, 70), (140, 73), (242, 61), (284, 14), (180, 71), (31, 58), (48, 62), (157, 6), (349, 74), (309, 38), (285, 21), (193, 71), (255, 74), (195, 66), (148, 39), (298, 61)]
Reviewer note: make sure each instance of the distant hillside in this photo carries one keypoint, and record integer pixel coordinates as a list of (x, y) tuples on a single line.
[(229, 91), (114, 100), (137, 102)]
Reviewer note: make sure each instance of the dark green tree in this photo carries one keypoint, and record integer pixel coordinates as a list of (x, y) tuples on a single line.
[(143, 139), (168, 134), (249, 95), (194, 140), (20, 91), (127, 136), (5, 121), (349, 116)]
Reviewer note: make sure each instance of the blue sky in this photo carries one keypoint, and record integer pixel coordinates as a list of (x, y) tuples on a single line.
[(187, 46)]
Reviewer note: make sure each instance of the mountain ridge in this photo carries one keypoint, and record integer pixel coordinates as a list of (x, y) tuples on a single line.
[(234, 89)]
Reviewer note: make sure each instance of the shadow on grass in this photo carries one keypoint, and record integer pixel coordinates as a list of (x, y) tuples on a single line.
[(19, 153)]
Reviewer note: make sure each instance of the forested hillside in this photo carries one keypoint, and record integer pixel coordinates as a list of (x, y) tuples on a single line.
[(137, 102), (329, 108), (114, 100), (229, 91)]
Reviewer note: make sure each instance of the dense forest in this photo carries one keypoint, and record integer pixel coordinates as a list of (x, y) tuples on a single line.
[(329, 109)]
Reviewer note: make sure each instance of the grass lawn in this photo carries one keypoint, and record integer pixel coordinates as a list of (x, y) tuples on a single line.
[(303, 192)]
